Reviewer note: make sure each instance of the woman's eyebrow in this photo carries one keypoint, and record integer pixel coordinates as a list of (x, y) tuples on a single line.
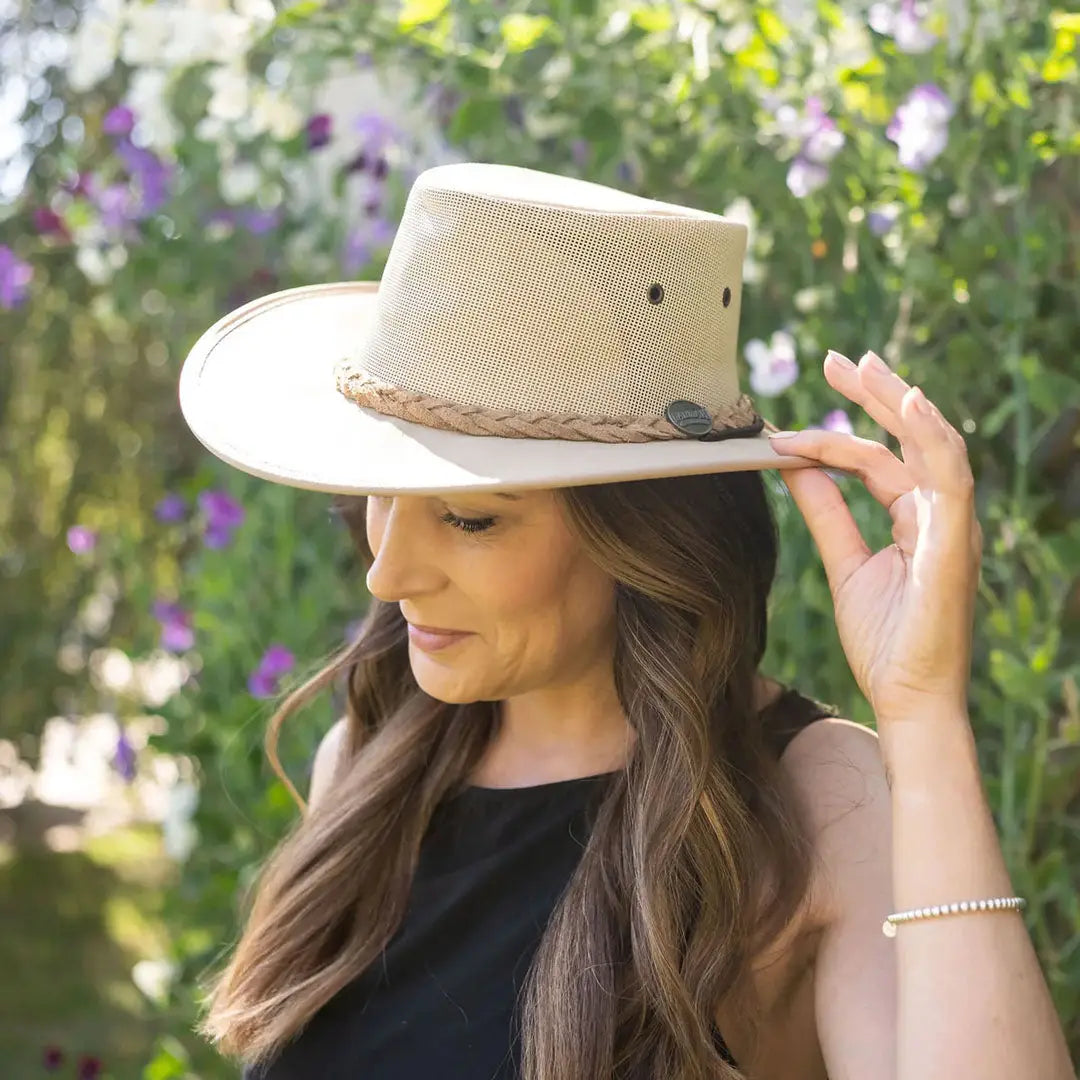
[(507, 495)]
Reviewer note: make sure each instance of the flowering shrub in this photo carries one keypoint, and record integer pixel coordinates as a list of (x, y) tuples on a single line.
[(908, 178)]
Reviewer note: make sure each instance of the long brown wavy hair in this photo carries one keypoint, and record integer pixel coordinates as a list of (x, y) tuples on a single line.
[(697, 858)]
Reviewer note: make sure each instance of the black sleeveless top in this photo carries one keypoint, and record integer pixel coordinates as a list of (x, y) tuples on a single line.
[(441, 1000)]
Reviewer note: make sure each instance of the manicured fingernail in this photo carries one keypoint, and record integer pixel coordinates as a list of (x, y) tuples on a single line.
[(875, 363), (782, 434), (921, 403), (840, 358)]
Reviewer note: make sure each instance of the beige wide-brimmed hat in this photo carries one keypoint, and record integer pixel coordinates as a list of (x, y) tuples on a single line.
[(530, 331)]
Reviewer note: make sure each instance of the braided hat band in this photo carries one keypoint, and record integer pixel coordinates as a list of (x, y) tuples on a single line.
[(725, 422)]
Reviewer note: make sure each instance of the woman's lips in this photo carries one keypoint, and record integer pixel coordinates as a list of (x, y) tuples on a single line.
[(433, 640)]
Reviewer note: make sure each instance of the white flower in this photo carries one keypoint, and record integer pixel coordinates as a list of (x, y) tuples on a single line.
[(259, 13), (146, 98), (154, 977), (146, 34), (211, 129), (111, 670), (94, 265), (773, 365), (905, 24), (197, 37), (230, 94), (797, 14), (823, 144), (178, 833), (805, 176), (159, 677), (94, 44), (238, 183), (920, 126), (848, 45), (273, 111), (742, 211)]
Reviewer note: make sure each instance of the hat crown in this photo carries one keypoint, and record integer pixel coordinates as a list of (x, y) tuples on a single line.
[(511, 288)]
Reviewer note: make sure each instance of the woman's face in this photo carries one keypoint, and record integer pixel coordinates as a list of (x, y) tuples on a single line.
[(507, 570)]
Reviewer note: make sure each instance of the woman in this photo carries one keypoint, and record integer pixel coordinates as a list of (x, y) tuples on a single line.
[(566, 828)]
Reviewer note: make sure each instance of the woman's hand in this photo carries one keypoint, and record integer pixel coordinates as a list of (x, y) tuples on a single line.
[(904, 614)]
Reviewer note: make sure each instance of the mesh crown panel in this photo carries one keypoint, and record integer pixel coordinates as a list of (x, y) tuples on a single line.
[(491, 299)]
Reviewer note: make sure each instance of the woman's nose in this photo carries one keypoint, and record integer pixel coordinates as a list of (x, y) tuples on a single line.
[(401, 546)]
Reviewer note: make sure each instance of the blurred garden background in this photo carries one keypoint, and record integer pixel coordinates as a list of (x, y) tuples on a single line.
[(910, 178)]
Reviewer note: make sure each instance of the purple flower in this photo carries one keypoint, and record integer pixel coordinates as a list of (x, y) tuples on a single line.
[(773, 365), (256, 222), (259, 222), (882, 218), (442, 103), (152, 176), (920, 126), (164, 610), (365, 162), (171, 508), (514, 110), (262, 685), (124, 758), (376, 132), (352, 630), (275, 662), (15, 277), (80, 183), (580, 153), (223, 515), (116, 205), (52, 1058), (805, 176), (837, 420), (81, 540), (177, 634), (318, 130), (118, 121), (217, 537), (363, 241), (48, 222), (820, 140), (905, 24), (89, 1067)]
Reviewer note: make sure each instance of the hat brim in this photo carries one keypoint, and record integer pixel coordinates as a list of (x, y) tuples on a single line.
[(258, 390)]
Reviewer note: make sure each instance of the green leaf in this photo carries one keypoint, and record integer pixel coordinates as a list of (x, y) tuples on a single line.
[(1065, 20), (983, 92), (995, 419), (478, 115), (772, 27), (652, 18), (296, 13), (1045, 654), (521, 32), (417, 12)]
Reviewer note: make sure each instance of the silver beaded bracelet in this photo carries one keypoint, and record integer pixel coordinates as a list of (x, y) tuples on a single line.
[(999, 903)]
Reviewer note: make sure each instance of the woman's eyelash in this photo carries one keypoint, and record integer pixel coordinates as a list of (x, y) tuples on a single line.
[(469, 525)]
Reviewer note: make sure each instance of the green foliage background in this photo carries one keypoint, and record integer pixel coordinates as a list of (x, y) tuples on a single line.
[(974, 295)]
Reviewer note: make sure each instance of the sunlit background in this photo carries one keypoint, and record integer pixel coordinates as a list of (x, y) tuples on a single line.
[(909, 177)]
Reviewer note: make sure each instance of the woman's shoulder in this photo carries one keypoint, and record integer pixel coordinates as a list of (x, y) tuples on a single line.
[(788, 710)]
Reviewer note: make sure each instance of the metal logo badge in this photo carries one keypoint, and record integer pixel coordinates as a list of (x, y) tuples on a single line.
[(689, 418)]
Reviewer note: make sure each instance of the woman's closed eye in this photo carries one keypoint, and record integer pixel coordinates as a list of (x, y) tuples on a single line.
[(468, 525)]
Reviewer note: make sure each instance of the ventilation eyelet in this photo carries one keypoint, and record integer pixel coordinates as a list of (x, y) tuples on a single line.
[(656, 293), (727, 296)]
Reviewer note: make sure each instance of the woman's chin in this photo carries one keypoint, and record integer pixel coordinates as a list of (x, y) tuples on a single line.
[(446, 686)]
